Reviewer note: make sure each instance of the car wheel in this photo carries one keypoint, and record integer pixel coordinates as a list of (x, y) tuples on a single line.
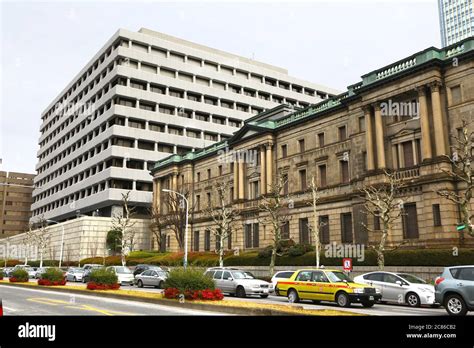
[(293, 296), (240, 292), (263, 296), (412, 299), (455, 305), (343, 300), (74, 279), (140, 284), (368, 304), (160, 285)]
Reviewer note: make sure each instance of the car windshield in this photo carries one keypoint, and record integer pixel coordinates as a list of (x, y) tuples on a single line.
[(411, 278), (124, 270), (335, 277), (240, 275), (249, 275)]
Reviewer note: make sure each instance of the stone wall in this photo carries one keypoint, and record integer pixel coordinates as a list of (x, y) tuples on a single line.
[(83, 237)]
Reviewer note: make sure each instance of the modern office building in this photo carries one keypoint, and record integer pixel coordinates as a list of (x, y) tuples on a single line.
[(15, 202), (402, 118), (456, 20), (143, 96)]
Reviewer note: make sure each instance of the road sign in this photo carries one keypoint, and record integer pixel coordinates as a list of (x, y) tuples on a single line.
[(347, 264), (460, 227)]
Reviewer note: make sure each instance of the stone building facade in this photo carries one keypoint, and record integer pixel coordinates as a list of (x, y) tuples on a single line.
[(400, 118)]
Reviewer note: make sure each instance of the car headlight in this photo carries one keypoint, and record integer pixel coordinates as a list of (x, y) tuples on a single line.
[(358, 290), (377, 291)]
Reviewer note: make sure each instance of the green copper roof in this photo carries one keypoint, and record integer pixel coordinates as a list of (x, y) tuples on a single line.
[(418, 59)]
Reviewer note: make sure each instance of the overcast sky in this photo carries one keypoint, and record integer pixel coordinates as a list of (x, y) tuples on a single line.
[(333, 43)]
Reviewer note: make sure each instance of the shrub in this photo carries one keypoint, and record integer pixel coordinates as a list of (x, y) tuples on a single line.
[(188, 280), (1, 274), (142, 254), (53, 275), (297, 250), (266, 252), (103, 276), (19, 276)]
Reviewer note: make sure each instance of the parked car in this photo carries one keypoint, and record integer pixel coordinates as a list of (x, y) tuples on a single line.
[(74, 274), (400, 288), (86, 276), (151, 277), (143, 267), (91, 265), (237, 282), (7, 271), (280, 276), (327, 285), (454, 289), (124, 275), (31, 271)]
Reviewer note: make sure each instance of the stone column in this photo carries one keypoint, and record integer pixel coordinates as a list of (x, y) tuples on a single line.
[(369, 138), (263, 171), (241, 179), (438, 119), (425, 124), (157, 193), (269, 167), (236, 180), (174, 182), (379, 137)]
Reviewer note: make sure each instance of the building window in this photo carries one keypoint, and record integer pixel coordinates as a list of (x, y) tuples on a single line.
[(252, 236), (346, 228), (301, 145), (254, 192), (342, 133), (220, 170), (285, 230), (208, 195), (303, 184), (198, 202), (324, 229), (229, 241), (285, 184), (208, 174), (410, 222), (321, 139), (196, 241), (376, 221), (408, 157), (284, 151), (436, 215), (207, 240), (344, 172), (322, 175), (304, 231)]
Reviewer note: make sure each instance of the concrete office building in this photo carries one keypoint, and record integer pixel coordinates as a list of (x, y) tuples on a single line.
[(456, 19), (15, 202), (144, 96)]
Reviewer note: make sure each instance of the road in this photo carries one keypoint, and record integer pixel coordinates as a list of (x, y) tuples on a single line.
[(378, 309), (21, 301)]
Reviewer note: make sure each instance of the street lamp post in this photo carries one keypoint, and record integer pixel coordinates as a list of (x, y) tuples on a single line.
[(62, 241), (185, 262)]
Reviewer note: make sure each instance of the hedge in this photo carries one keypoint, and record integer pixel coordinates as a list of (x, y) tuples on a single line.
[(188, 280), (19, 276), (400, 257)]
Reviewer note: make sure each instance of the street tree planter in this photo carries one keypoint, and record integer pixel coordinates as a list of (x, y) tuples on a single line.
[(18, 280), (46, 282), (99, 286)]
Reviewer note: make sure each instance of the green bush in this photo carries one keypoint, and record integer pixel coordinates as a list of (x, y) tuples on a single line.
[(20, 275), (297, 250), (2, 274), (103, 276), (53, 275), (190, 279), (142, 254), (266, 252)]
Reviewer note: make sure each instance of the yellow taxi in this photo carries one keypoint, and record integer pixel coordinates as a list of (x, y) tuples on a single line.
[(327, 285)]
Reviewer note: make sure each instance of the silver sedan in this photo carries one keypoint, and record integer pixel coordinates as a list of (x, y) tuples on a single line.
[(74, 274), (151, 277)]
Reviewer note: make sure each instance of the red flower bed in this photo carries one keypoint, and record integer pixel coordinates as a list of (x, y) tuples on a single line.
[(211, 295), (1, 277), (47, 282), (97, 286), (18, 280)]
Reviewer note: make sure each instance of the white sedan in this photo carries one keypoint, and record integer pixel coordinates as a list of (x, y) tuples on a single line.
[(124, 275), (400, 288)]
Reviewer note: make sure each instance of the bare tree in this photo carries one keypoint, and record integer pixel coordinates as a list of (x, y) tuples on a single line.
[(224, 216), (275, 213), (175, 217), (382, 202), (462, 172), (39, 236), (157, 226), (123, 223), (316, 225)]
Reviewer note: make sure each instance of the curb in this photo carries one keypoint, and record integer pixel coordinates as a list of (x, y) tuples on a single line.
[(166, 302)]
